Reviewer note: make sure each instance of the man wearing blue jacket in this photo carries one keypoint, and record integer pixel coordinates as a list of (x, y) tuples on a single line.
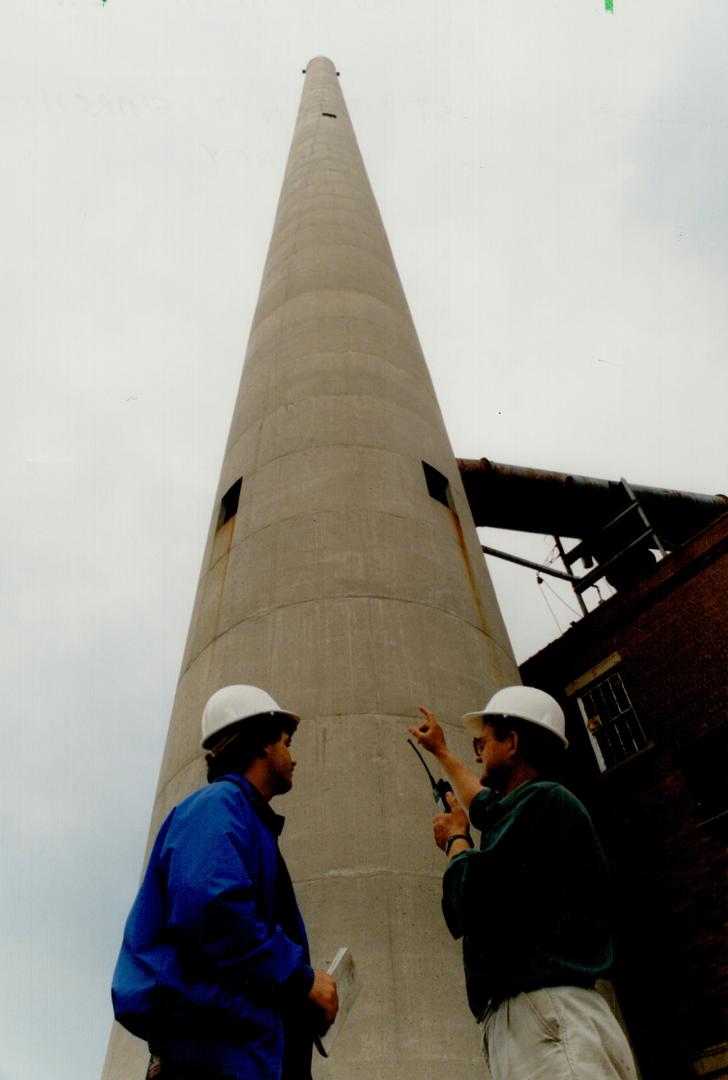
[(214, 970)]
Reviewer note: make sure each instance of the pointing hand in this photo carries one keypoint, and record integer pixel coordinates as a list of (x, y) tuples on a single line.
[(429, 733)]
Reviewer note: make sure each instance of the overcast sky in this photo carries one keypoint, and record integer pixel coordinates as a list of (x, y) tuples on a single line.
[(553, 179)]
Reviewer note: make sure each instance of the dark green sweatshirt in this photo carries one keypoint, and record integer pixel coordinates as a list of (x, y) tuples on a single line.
[(533, 903)]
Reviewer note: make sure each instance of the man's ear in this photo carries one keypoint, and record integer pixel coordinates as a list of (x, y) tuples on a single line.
[(264, 751), (513, 740)]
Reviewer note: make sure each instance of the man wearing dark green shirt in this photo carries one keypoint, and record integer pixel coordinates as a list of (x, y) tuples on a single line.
[(532, 903)]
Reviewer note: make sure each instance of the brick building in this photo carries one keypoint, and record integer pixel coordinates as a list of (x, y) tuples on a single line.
[(643, 682)]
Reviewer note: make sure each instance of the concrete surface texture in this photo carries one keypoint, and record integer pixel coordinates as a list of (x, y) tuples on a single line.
[(351, 593)]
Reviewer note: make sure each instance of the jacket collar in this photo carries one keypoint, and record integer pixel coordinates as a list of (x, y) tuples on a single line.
[(270, 819)]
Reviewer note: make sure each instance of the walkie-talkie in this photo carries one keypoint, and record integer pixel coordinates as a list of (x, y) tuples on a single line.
[(440, 788)]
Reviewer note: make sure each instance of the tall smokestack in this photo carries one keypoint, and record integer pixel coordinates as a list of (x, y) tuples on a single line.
[(344, 575)]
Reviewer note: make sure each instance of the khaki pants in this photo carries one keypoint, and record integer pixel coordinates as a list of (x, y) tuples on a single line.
[(559, 1033)]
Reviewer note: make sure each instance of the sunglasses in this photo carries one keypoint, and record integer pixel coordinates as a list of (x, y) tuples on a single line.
[(480, 741)]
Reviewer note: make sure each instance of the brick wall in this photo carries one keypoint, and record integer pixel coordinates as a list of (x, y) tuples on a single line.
[(659, 812)]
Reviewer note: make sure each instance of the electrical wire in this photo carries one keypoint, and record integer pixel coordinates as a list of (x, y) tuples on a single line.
[(571, 609), (539, 582)]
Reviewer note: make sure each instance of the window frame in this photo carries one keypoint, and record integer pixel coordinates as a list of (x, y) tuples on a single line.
[(622, 721)]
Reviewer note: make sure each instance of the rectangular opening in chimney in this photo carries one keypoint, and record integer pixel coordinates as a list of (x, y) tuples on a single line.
[(331, 114), (229, 503), (437, 485)]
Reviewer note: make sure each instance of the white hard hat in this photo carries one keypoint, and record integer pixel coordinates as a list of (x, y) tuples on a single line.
[(522, 703), (233, 703)]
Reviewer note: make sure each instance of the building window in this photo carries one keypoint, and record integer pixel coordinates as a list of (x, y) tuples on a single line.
[(615, 732), (229, 503)]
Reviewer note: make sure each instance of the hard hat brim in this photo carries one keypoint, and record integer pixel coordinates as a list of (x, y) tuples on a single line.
[(474, 721), (284, 713)]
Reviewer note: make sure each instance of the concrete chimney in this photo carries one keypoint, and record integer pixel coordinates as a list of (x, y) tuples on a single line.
[(344, 575)]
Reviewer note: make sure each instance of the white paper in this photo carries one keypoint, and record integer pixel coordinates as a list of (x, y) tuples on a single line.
[(343, 970)]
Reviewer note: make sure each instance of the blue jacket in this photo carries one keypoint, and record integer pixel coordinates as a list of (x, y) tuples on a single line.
[(205, 974)]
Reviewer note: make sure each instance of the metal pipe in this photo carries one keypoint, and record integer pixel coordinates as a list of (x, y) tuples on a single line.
[(527, 562), (562, 504)]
